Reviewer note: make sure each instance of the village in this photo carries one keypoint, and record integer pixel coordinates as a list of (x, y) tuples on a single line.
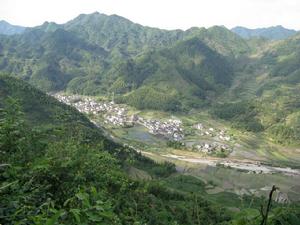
[(172, 128), (115, 115), (217, 146), (210, 148), (212, 132)]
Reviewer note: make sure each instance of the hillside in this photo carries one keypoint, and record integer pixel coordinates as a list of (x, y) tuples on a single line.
[(51, 59), (272, 33), (9, 29), (126, 38), (57, 167), (269, 82), (189, 71)]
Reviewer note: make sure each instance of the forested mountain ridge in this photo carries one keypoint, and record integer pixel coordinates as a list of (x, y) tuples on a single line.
[(189, 71), (116, 32), (87, 55), (272, 33), (150, 68)]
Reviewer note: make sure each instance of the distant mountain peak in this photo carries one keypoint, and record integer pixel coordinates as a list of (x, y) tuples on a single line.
[(277, 32), (9, 29)]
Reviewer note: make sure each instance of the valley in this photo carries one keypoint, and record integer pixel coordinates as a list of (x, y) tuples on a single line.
[(107, 121), (196, 144)]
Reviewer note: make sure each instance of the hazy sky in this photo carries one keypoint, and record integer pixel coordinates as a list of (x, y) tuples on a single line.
[(168, 14)]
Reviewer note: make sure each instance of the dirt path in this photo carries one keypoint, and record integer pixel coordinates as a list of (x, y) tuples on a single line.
[(250, 166)]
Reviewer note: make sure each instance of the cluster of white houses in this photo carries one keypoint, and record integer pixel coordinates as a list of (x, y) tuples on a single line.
[(171, 128), (87, 104), (116, 115), (113, 113), (210, 148), (203, 131)]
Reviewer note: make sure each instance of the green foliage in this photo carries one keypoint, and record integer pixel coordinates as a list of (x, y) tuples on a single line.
[(284, 134), (241, 114), (286, 215), (175, 144), (150, 98), (154, 169)]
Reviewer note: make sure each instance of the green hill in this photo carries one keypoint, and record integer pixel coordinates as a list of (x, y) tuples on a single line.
[(269, 82), (183, 76), (49, 60)]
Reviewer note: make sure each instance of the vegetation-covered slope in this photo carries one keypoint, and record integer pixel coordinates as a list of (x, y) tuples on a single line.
[(265, 92), (49, 60), (183, 76), (57, 168), (129, 39)]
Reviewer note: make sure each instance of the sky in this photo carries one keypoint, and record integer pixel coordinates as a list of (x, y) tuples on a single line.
[(166, 14)]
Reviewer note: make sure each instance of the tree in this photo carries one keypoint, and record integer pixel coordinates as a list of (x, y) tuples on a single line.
[(266, 213), (12, 127)]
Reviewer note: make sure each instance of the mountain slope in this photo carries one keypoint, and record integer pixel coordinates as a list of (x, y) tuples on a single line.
[(57, 167), (272, 33), (8, 29), (270, 84), (115, 32), (50, 60), (183, 76), (129, 39), (44, 112)]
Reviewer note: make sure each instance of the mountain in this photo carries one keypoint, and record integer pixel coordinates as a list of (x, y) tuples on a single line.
[(265, 93), (150, 68), (115, 32), (50, 59), (272, 33), (8, 29), (89, 54), (119, 34), (189, 71)]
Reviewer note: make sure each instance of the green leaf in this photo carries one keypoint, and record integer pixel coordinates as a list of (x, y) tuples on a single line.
[(54, 218), (76, 214)]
